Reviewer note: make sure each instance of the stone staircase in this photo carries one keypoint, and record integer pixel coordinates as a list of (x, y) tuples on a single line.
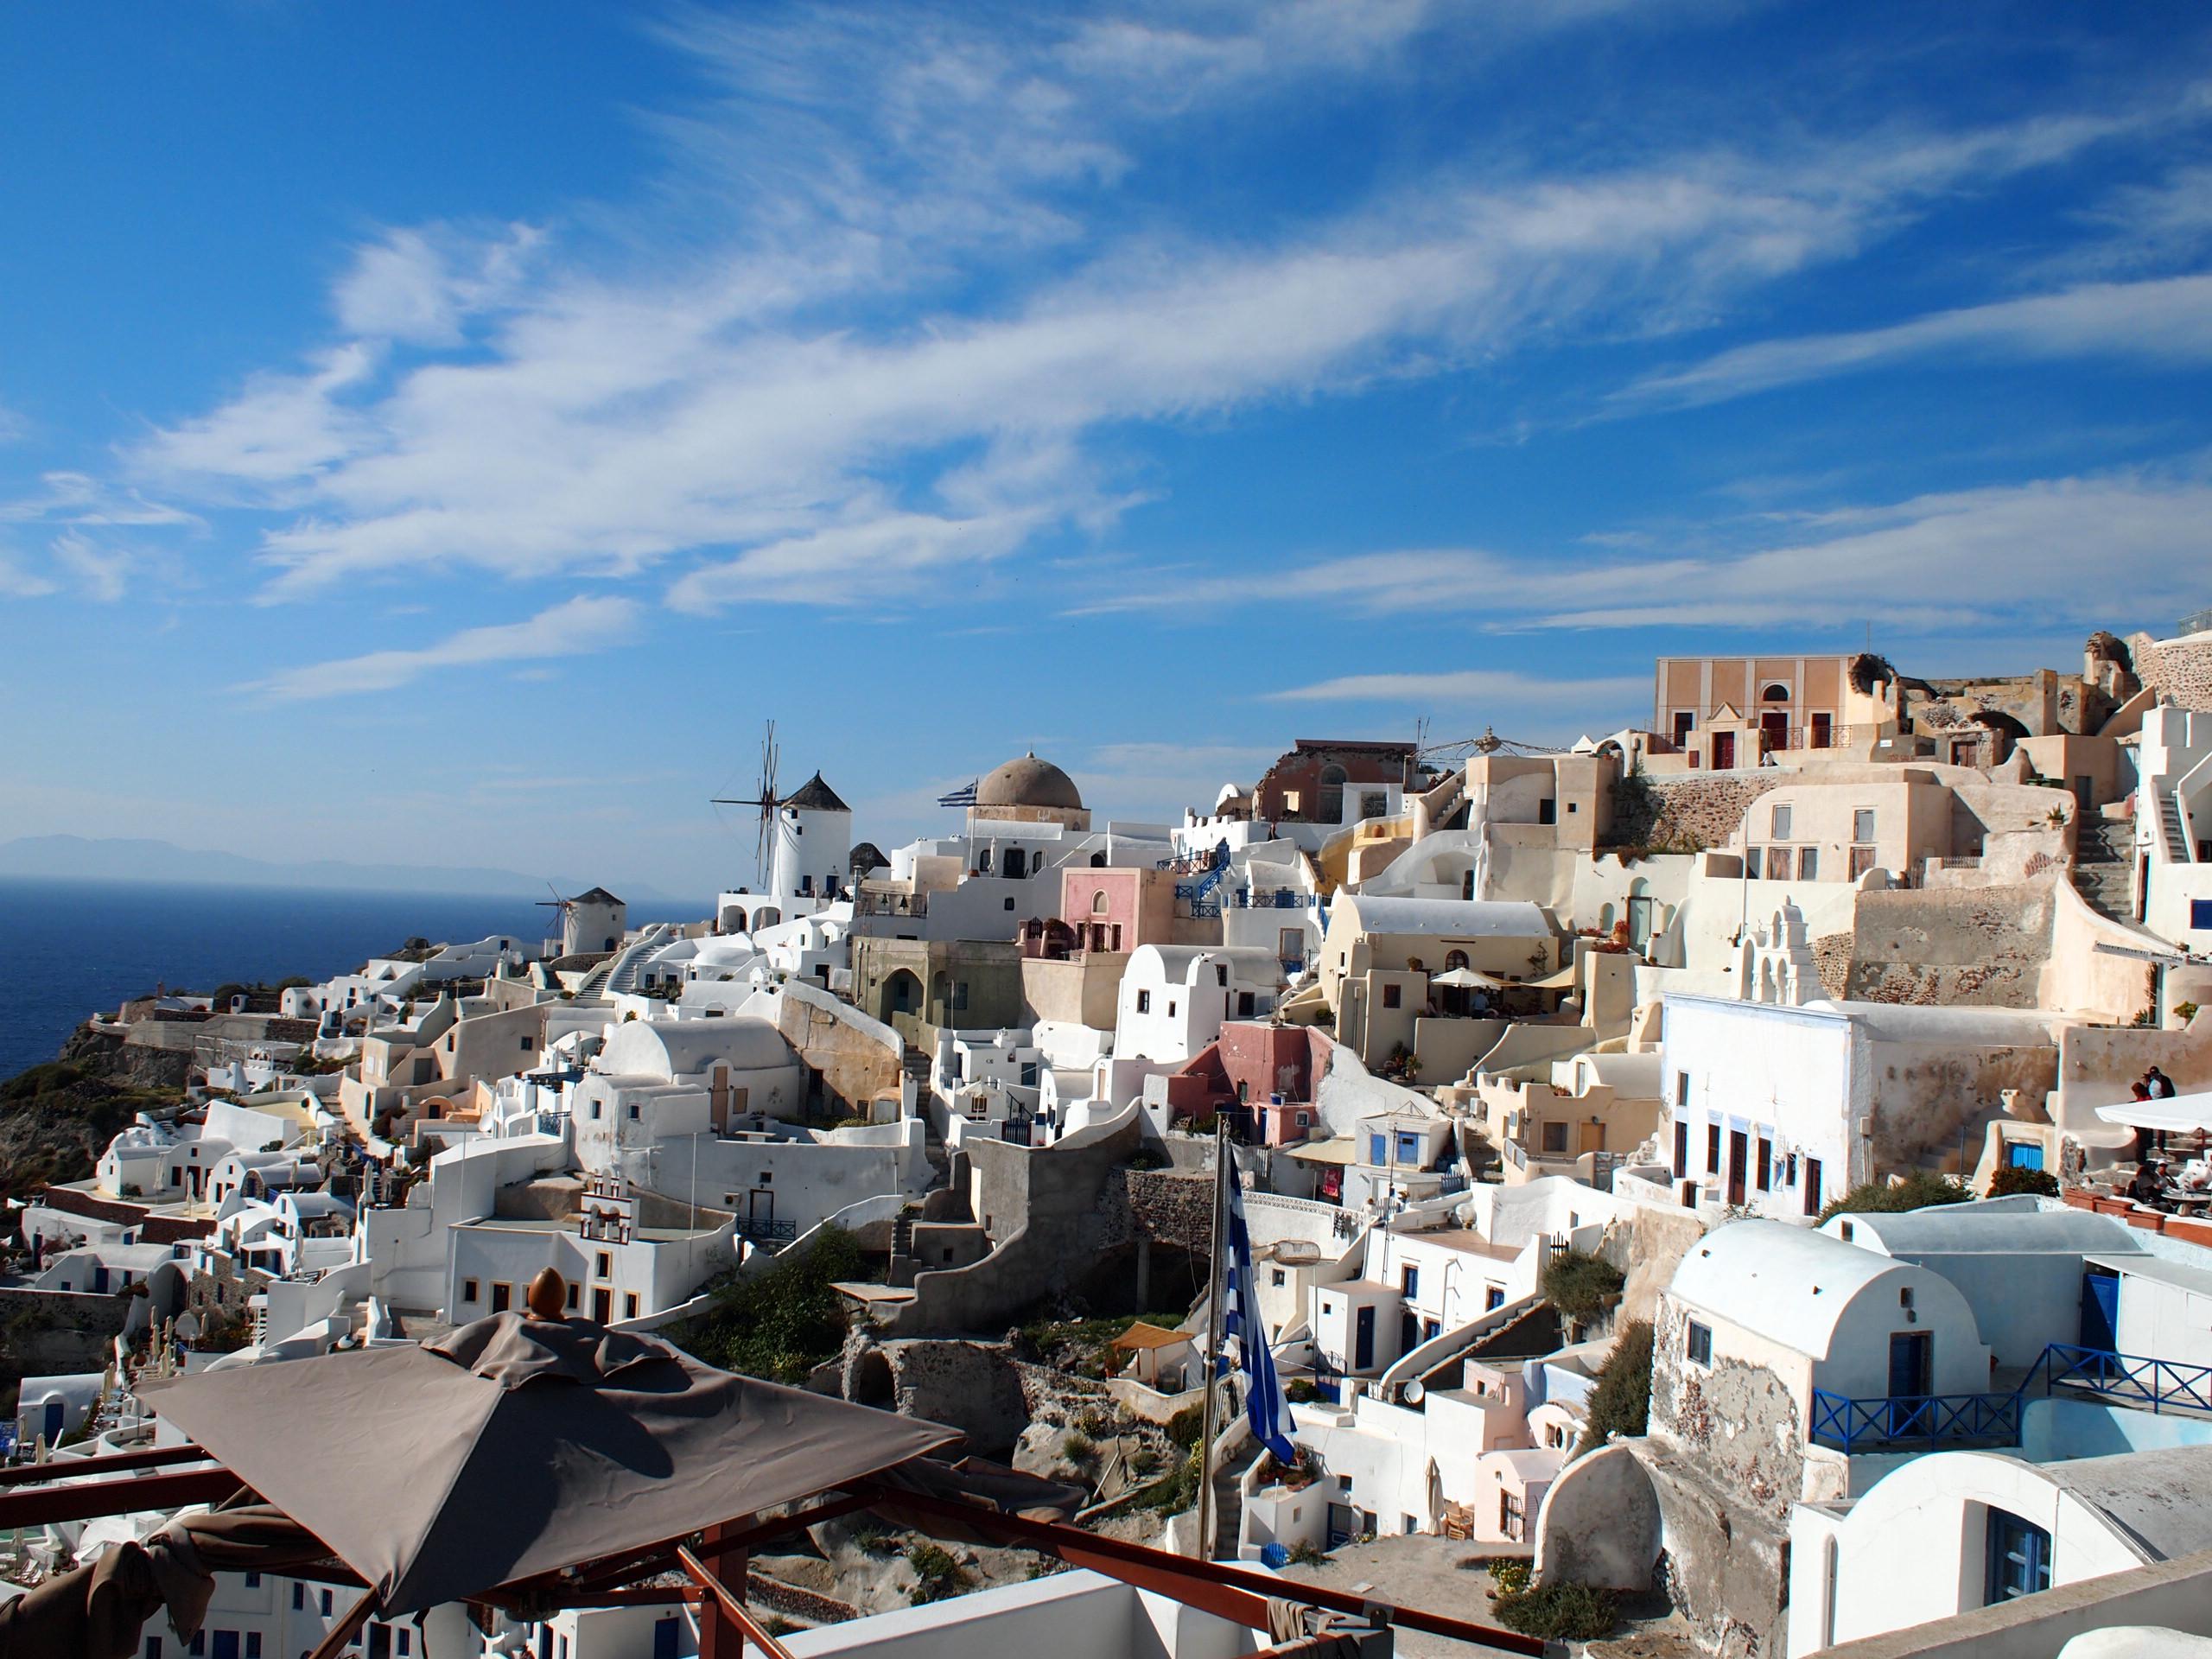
[(1228, 1500), (2169, 823), (618, 975), (2103, 872)]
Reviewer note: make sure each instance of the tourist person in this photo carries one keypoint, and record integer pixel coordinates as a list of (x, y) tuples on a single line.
[(2160, 1085), (2145, 1187)]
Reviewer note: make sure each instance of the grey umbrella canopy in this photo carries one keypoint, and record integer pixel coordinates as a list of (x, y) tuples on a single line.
[(516, 1446)]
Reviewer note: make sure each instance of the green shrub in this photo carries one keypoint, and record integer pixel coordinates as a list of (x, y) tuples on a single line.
[(1078, 1446), (1921, 1189), (872, 1536), (938, 1576), (1143, 1461), (1304, 1554), (1300, 1391), (1621, 1403), (1180, 1490), (1509, 1574), (782, 1322), (1186, 1425), (1095, 1423), (1560, 1612), (1577, 1284), (2012, 1177)]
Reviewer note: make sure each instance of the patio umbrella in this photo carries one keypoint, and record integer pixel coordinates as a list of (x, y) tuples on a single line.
[(1468, 979), (2178, 1115), (516, 1447)]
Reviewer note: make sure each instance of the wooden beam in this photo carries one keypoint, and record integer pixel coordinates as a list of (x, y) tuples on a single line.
[(346, 1628), (1192, 1578), (730, 1607), (33, 1474), (661, 1557), (124, 1495)]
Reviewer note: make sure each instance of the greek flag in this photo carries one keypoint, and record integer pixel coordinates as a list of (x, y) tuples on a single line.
[(1241, 1322), (963, 796)]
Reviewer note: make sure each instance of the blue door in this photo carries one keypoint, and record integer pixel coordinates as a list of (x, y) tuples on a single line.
[(1908, 1411), (225, 1645), (1363, 1352), (54, 1416), (664, 1638), (2022, 1154), (2019, 1558), (2100, 1310)]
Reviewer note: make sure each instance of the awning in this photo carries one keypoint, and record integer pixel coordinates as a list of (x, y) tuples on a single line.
[(1338, 1151), (2182, 1114), (1468, 979), (1561, 981)]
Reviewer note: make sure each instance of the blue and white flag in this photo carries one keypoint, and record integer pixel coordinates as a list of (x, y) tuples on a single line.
[(963, 796), (1241, 1323)]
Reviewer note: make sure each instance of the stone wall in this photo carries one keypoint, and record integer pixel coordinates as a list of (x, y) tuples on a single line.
[(2180, 668), (1832, 958), (1707, 811), (1051, 1211), (859, 1062), (970, 1386), (1983, 947), (1727, 1460), (56, 1333), (1737, 1424)]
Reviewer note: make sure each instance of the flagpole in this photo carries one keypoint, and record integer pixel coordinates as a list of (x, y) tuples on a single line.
[(1208, 1428)]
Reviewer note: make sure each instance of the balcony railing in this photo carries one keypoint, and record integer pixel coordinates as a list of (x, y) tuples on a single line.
[(1936, 1419), (766, 1232), (1914, 1419), (2156, 1383)]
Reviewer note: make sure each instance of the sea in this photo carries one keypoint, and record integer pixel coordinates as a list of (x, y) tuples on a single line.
[(70, 948)]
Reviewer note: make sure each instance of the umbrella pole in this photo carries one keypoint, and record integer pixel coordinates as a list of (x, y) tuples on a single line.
[(346, 1628), (726, 1625)]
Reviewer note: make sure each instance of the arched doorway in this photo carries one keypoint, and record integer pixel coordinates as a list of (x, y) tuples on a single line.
[(902, 993)]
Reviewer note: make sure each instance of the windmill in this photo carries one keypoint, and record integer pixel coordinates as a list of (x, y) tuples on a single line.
[(766, 799), (560, 906)]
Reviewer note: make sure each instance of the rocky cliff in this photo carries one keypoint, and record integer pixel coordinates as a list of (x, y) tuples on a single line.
[(55, 1119)]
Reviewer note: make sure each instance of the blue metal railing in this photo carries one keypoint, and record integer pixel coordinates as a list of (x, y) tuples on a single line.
[(1852, 1425), (1927, 1419), (2155, 1383)]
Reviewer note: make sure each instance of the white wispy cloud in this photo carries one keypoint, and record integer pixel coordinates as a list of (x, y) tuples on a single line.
[(2167, 321), (419, 285), (102, 572), (578, 627), (805, 398), (17, 581), (2004, 556), (1482, 690)]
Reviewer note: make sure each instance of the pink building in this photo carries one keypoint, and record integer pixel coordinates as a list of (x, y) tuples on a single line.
[(1263, 1074)]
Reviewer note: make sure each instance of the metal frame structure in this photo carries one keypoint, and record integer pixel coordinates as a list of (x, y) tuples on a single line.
[(1851, 1425), (78, 1489)]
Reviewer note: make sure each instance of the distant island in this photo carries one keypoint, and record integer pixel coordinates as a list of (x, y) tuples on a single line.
[(80, 858)]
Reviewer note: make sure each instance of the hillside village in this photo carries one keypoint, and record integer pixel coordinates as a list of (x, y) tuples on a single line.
[(1704, 1186)]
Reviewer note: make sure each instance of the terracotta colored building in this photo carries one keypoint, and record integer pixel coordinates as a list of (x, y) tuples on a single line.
[(1311, 783), (1262, 1074)]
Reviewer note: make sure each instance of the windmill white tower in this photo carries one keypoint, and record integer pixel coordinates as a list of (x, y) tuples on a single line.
[(813, 841)]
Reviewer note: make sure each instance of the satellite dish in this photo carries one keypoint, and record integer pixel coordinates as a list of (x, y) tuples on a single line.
[(1413, 1392)]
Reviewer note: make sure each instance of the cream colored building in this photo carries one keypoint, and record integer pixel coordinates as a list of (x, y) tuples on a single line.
[(1726, 712)]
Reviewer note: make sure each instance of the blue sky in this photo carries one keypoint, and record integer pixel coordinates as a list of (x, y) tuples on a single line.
[(444, 434)]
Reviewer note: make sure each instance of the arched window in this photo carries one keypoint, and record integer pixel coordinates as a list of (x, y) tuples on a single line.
[(1098, 902), (1777, 692), (1455, 960), (1331, 808)]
